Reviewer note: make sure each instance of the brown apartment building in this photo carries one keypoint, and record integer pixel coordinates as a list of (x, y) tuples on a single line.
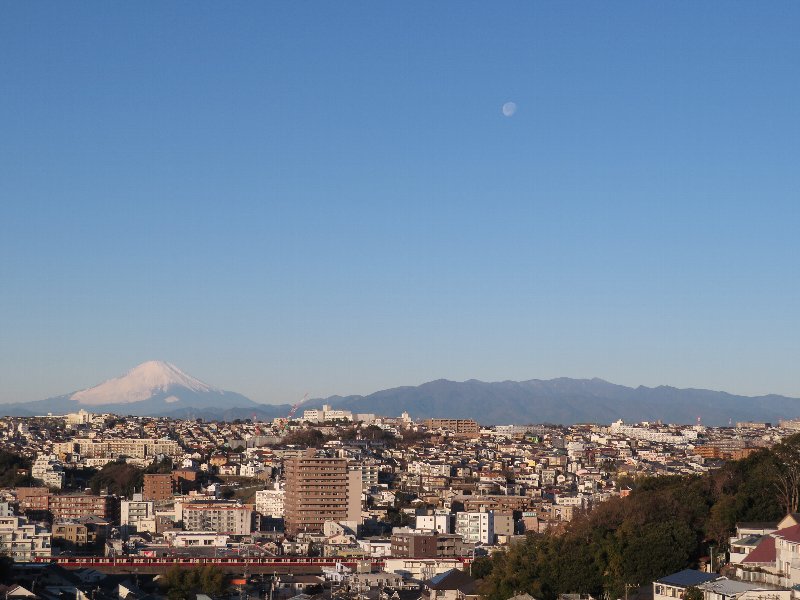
[(35, 499), (426, 545), (67, 507), (320, 489), (73, 507), (157, 486), (465, 427)]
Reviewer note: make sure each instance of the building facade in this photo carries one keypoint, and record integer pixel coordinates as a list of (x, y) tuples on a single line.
[(320, 489), (74, 507), (476, 527), (23, 541), (157, 487), (270, 503), (220, 517), (457, 426)]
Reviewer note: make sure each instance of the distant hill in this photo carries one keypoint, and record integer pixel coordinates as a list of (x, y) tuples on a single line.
[(157, 388), (566, 401)]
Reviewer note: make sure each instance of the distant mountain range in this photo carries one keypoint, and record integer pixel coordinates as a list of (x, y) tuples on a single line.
[(568, 401), (160, 389)]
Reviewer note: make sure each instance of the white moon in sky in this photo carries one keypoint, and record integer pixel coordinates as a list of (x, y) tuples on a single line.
[(509, 108)]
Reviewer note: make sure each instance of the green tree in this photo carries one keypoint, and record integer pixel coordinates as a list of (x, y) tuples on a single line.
[(693, 593), (181, 584), (11, 466), (787, 482), (119, 478), (481, 567), (309, 438), (160, 466)]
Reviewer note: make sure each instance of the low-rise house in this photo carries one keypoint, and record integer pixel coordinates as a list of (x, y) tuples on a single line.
[(675, 585), (728, 589), (450, 585)]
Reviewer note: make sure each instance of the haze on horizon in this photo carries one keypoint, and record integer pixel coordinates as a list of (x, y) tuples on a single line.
[(335, 198)]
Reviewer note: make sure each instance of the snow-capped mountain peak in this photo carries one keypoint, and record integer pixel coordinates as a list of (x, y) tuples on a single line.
[(141, 383)]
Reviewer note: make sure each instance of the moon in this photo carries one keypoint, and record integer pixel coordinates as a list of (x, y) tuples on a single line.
[(509, 108)]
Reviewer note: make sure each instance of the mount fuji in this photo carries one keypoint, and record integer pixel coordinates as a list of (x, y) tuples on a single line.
[(153, 388)]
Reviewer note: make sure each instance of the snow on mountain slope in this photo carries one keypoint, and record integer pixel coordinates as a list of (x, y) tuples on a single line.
[(141, 383)]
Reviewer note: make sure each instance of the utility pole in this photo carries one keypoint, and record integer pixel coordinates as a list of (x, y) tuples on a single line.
[(627, 587)]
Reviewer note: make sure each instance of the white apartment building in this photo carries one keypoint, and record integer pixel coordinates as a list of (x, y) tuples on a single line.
[(270, 503), (134, 512), (49, 470), (23, 541), (118, 447), (653, 433), (250, 469), (476, 527), (79, 418), (440, 521), (219, 517), (326, 413), (577, 500), (430, 469)]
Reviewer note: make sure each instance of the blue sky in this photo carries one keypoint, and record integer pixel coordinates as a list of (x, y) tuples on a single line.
[(299, 197)]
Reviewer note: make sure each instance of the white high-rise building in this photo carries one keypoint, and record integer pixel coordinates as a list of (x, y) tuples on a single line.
[(476, 527)]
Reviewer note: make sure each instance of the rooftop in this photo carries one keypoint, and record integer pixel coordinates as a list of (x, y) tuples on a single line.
[(688, 578)]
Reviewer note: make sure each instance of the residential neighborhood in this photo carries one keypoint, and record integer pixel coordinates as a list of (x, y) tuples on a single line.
[(383, 502)]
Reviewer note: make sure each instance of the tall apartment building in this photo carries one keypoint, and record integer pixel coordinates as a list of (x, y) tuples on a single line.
[(157, 486), (476, 527), (320, 489), (457, 426), (220, 517), (23, 541)]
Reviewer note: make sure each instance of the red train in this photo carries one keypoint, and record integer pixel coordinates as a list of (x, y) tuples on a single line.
[(233, 561)]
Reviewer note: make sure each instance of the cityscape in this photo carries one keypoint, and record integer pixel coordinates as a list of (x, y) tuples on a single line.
[(399, 300), (327, 503)]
